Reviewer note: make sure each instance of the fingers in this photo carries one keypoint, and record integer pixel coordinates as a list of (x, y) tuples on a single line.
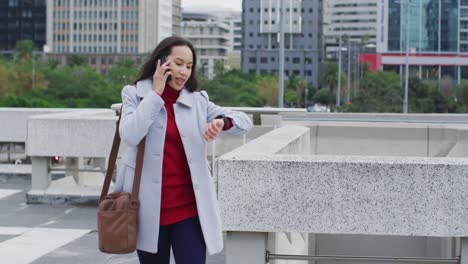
[(162, 71), (164, 64), (167, 63), (211, 131)]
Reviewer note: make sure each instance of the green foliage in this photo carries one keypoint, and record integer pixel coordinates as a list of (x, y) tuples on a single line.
[(77, 60), (461, 92), (234, 88), (25, 81), (322, 96), (380, 92), (24, 49), (383, 92)]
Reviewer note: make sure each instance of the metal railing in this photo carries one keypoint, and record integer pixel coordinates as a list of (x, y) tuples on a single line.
[(269, 256)]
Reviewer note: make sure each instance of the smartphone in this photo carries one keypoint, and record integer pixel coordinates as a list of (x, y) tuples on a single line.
[(162, 61)]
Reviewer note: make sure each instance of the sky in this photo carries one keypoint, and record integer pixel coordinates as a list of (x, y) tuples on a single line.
[(235, 5)]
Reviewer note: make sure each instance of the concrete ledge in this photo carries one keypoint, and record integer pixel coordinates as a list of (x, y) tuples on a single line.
[(8, 170), (377, 117), (16, 118), (344, 195), (65, 192), (77, 134), (291, 139)]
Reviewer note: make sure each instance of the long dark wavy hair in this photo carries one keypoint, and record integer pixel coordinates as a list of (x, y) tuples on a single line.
[(163, 50)]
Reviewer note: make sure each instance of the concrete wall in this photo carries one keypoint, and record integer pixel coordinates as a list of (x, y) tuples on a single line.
[(386, 139), (344, 195), (376, 117), (14, 121), (75, 134), (286, 140), (355, 206)]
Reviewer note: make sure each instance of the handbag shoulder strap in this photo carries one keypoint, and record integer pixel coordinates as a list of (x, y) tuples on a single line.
[(113, 159)]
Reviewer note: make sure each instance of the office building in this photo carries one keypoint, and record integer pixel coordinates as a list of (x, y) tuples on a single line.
[(176, 17), (107, 26), (355, 20), (211, 38), (260, 48), (22, 20), (437, 43)]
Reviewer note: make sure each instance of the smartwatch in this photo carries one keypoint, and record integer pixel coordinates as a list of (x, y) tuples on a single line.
[(225, 120)]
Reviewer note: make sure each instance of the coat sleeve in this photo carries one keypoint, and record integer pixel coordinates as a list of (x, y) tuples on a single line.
[(137, 116), (241, 123)]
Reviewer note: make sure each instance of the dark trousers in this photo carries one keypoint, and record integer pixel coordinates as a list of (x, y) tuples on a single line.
[(186, 239)]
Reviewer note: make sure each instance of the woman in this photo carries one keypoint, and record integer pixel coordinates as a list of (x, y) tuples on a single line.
[(178, 205)]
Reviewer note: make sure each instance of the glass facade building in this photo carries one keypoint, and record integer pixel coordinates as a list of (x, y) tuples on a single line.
[(438, 37), (433, 25), (22, 20)]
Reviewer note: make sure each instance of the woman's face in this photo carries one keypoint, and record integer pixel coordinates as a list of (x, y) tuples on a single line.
[(181, 58)]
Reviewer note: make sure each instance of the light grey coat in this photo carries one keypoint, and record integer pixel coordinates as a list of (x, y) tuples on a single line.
[(193, 111)]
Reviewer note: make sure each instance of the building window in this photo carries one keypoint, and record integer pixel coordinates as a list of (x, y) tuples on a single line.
[(252, 60), (263, 60), (308, 73), (296, 72), (296, 60)]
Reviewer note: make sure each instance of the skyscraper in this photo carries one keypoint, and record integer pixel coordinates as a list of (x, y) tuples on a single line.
[(107, 26), (438, 38), (260, 49), (210, 36), (357, 20), (22, 20)]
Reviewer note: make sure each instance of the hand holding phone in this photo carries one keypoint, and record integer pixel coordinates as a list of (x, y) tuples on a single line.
[(163, 61), (161, 74)]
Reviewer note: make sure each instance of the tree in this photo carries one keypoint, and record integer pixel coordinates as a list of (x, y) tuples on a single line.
[(380, 93), (365, 38), (77, 60), (330, 78), (267, 87), (295, 86), (7, 86), (300, 87), (234, 88), (122, 73), (219, 68), (23, 50), (322, 97), (461, 94)]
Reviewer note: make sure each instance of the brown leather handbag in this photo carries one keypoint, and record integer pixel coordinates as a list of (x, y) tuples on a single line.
[(118, 212)]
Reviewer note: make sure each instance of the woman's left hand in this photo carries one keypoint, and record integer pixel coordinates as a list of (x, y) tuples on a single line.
[(212, 129)]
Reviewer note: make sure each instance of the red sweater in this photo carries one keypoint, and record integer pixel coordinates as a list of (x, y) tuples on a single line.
[(177, 197)]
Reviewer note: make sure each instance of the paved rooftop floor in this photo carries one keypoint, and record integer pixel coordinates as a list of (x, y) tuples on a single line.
[(44, 234)]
